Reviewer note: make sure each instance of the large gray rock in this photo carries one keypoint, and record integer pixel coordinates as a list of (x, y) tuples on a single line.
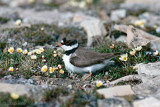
[(136, 5), (94, 28), (125, 92), (113, 102), (149, 71), (147, 102), (137, 37), (15, 88), (149, 88), (32, 91), (118, 14)]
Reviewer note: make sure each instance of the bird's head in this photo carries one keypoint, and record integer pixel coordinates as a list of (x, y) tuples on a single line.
[(68, 45)]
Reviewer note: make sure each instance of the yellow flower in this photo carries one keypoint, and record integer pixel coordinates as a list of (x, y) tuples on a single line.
[(133, 52), (61, 71), (99, 83), (139, 48), (18, 22), (140, 23), (59, 66), (25, 52), (11, 50), (41, 49), (55, 55), (33, 57), (19, 50), (44, 68), (124, 57), (51, 69), (14, 96), (156, 53), (112, 46), (137, 23), (11, 69), (30, 53), (38, 51)]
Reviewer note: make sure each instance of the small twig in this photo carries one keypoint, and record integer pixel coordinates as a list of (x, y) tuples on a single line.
[(126, 78)]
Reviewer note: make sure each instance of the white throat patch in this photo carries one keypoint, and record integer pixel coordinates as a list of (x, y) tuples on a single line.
[(67, 48)]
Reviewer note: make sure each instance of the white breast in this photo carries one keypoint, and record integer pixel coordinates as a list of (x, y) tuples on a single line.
[(80, 70)]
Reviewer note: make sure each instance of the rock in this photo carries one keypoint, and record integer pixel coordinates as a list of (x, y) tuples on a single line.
[(137, 5), (155, 45), (94, 29), (125, 92), (147, 102), (148, 88), (137, 37), (147, 16), (118, 14), (113, 102), (121, 39), (15, 88), (149, 71)]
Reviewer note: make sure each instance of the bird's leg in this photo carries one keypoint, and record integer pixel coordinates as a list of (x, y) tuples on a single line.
[(90, 73)]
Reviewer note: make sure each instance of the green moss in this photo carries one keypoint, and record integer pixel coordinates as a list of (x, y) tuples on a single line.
[(50, 34), (7, 101), (3, 20), (121, 68), (2, 45), (54, 94)]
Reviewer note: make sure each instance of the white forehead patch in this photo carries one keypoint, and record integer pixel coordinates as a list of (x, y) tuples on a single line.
[(62, 41)]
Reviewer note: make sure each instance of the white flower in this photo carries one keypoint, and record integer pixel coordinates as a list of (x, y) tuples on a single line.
[(25, 52), (156, 53), (44, 68), (19, 50), (59, 66), (133, 52), (51, 69), (136, 66), (42, 28), (38, 51), (61, 71), (14, 96), (33, 57), (18, 22), (41, 49), (112, 46), (11, 69), (30, 53), (139, 48), (124, 57), (11, 50), (99, 83), (54, 55)]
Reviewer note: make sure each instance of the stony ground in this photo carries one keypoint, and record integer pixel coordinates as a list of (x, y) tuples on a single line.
[(32, 72)]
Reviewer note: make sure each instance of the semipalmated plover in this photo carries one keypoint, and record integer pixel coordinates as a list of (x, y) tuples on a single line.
[(81, 60)]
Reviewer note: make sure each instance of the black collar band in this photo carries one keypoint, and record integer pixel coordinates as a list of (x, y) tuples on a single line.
[(71, 51)]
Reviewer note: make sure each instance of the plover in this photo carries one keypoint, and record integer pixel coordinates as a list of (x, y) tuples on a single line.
[(81, 60)]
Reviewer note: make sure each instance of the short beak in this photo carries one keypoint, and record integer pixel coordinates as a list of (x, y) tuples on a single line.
[(59, 45)]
